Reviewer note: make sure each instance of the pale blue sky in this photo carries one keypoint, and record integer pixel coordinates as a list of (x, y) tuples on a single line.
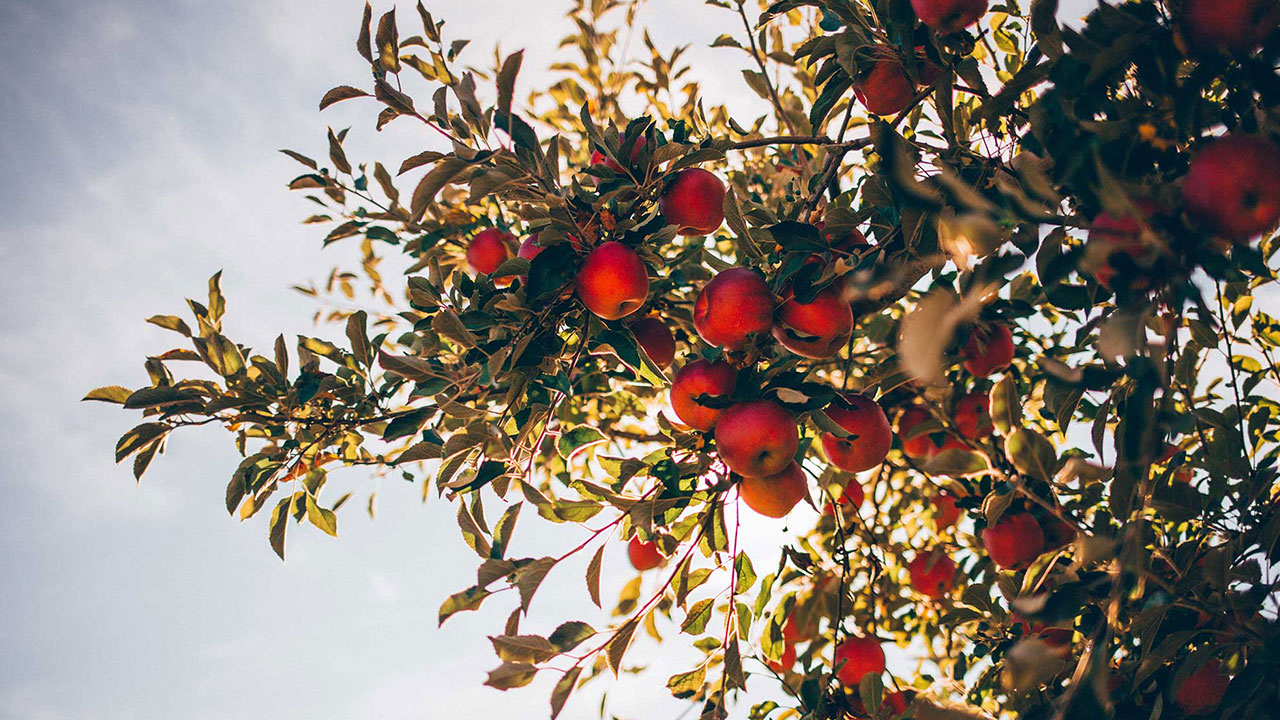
[(138, 140)]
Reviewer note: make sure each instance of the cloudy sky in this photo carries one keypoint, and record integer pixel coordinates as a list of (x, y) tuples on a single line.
[(138, 143)]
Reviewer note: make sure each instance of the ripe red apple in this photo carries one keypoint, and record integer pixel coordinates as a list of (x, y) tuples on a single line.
[(1202, 691), (1233, 186), (945, 512), (896, 702), (791, 633), (701, 377), (644, 555), (863, 417), (816, 329), (784, 664), (949, 16), (775, 495), (735, 304), (599, 158), (1237, 26), (529, 249), (488, 250), (989, 350), (850, 500), (694, 202), (1014, 541), (932, 574), (1110, 235), (613, 281), (885, 89), (1054, 636), (656, 339), (860, 655), (757, 438), (973, 416), (921, 447)]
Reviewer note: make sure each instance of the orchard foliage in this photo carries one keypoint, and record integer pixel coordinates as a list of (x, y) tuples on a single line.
[(1042, 251)]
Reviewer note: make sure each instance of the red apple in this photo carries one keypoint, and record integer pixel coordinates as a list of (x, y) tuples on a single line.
[(488, 250), (885, 89), (921, 447), (973, 417), (850, 500), (949, 16), (863, 417), (599, 158), (932, 574), (1237, 26), (1014, 541), (734, 305), (989, 350), (791, 631), (1110, 235), (613, 281), (896, 702), (775, 495), (1202, 691), (644, 555), (1233, 186), (860, 655), (945, 512), (701, 377), (1055, 636), (656, 339), (529, 249), (816, 329), (694, 202), (757, 438)]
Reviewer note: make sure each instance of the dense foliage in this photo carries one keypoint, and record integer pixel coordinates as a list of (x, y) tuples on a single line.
[(1041, 252)]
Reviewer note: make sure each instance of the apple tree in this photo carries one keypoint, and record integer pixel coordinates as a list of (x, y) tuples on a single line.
[(986, 290)]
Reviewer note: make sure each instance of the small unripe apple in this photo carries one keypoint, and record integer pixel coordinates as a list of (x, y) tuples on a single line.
[(972, 416), (734, 305), (816, 329), (694, 202), (989, 350), (1014, 541), (644, 555), (656, 339), (1237, 26), (932, 574), (851, 498), (1233, 186), (613, 281), (863, 417), (885, 89), (949, 16), (701, 377), (1202, 691), (774, 496), (945, 511), (529, 248), (757, 438), (860, 655), (488, 250)]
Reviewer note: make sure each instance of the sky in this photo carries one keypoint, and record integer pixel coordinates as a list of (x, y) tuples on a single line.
[(138, 140)]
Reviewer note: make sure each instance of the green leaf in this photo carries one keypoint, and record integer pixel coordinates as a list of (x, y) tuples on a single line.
[(593, 576), (109, 393), (139, 437), (279, 523), (562, 690), (466, 600), (746, 573), (170, 322), (446, 169), (696, 621), (322, 518), (575, 440), (687, 684), (570, 635), (359, 338), (511, 675), (523, 648), (507, 81), (617, 647)]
